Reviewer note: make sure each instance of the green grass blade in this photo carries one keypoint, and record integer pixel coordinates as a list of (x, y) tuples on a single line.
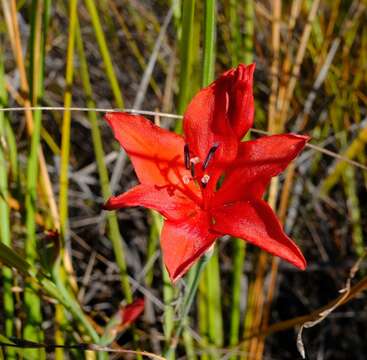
[(11, 142), (248, 36), (105, 52), (186, 56), (239, 246), (10, 258), (215, 317), (5, 235), (59, 272), (234, 28), (65, 142), (168, 290), (32, 328), (209, 41), (212, 272), (113, 228)]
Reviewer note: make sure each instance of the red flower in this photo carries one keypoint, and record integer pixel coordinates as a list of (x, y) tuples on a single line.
[(132, 311), (208, 183)]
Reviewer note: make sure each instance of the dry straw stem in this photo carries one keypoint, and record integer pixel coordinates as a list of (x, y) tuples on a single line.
[(257, 302), (284, 106), (325, 313), (274, 70), (299, 320), (277, 125)]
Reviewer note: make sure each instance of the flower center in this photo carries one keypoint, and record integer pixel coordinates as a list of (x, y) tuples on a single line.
[(191, 162)]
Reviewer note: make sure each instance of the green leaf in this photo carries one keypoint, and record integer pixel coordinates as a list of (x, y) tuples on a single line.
[(10, 258)]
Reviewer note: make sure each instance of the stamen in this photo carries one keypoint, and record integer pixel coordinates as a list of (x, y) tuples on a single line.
[(195, 160), (187, 156), (204, 180), (185, 179), (192, 170), (210, 155)]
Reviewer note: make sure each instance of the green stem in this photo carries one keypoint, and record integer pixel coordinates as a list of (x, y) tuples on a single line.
[(215, 319), (189, 296), (5, 236), (239, 246), (65, 142), (101, 40), (207, 77), (32, 328), (58, 271), (248, 37), (209, 41), (186, 51), (235, 43), (60, 293)]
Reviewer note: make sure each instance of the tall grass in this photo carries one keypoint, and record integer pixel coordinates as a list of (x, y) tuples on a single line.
[(310, 58)]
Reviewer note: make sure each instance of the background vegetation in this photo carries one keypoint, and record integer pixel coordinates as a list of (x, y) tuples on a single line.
[(57, 166)]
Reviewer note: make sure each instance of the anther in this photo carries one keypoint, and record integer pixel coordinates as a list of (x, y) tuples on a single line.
[(210, 155), (204, 180), (185, 179), (193, 162), (187, 156)]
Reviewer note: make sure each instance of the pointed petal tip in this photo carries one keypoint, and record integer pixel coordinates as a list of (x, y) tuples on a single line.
[(306, 138), (298, 260), (245, 72), (303, 264), (176, 274)]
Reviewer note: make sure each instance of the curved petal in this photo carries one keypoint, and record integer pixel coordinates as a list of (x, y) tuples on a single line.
[(221, 114), (168, 201), (256, 163), (241, 105), (157, 154), (184, 242), (206, 123), (132, 311), (255, 222)]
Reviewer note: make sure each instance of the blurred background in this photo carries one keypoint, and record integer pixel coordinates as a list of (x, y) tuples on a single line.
[(58, 166)]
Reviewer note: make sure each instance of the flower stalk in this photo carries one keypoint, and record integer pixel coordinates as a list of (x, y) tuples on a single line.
[(189, 296)]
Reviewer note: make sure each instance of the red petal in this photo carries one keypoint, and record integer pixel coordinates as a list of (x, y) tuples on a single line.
[(184, 242), (157, 154), (221, 114), (132, 311), (169, 201), (241, 100), (255, 222), (206, 123), (256, 163)]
